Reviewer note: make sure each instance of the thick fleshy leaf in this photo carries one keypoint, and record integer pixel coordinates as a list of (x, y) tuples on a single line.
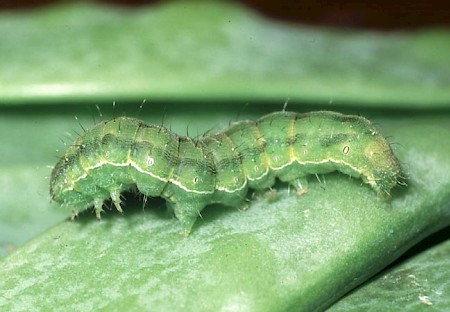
[(417, 284), (297, 252)]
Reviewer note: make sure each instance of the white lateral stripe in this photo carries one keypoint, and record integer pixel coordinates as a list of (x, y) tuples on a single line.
[(133, 164), (227, 190), (189, 190)]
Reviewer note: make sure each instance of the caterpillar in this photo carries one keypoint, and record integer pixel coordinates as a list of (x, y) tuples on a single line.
[(124, 153)]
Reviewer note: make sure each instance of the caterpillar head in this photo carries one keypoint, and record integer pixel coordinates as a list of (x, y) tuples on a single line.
[(384, 166)]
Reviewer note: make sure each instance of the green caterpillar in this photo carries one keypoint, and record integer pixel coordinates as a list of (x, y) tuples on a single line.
[(123, 153)]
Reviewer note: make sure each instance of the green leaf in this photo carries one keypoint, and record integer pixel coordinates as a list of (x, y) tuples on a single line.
[(299, 252), (418, 283), (296, 253)]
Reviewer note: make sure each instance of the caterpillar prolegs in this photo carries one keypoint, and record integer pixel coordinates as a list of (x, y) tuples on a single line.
[(123, 153)]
